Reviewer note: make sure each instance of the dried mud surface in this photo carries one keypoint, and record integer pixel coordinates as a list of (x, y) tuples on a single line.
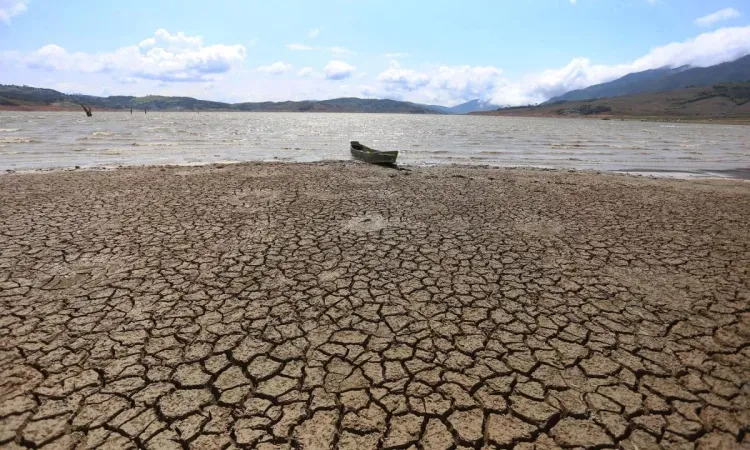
[(346, 306)]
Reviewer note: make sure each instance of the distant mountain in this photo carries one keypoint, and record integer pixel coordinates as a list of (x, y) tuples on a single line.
[(722, 101), (348, 104), (25, 97), (664, 79), (437, 108), (473, 106), (464, 108)]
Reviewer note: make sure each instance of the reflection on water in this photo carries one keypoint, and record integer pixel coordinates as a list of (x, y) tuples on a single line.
[(30, 140)]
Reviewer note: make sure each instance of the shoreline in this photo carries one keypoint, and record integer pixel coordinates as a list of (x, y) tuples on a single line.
[(625, 118), (736, 174), (706, 120)]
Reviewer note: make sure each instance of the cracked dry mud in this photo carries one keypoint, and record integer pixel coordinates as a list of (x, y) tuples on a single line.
[(346, 306)]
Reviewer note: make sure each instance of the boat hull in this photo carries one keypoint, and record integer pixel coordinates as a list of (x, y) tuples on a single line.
[(368, 155)]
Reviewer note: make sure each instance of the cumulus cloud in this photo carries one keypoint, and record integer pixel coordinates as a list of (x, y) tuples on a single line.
[(277, 68), (446, 84), (171, 42), (718, 16), (397, 78), (455, 84), (466, 82), (338, 70), (163, 57), (707, 49), (536, 88), (11, 8), (305, 72)]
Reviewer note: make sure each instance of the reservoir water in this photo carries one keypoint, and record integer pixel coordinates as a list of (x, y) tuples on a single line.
[(38, 140)]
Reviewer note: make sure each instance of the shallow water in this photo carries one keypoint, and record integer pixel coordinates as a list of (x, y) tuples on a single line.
[(34, 140)]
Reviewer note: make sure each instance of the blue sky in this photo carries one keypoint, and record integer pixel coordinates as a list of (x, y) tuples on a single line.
[(437, 51)]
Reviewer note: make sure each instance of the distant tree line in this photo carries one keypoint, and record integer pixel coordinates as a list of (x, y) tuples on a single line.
[(739, 93), (12, 95), (585, 110)]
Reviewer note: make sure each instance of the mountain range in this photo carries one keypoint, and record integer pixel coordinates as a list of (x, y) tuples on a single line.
[(726, 102), (26, 97), (475, 105), (634, 84), (663, 79)]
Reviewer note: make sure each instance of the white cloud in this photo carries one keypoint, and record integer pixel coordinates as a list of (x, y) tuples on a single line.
[(163, 57), (536, 88), (11, 8), (455, 84), (312, 34), (718, 16), (299, 47), (127, 80), (70, 88), (466, 82), (305, 72), (277, 68), (707, 49), (338, 70), (153, 64), (171, 42), (397, 78), (445, 84)]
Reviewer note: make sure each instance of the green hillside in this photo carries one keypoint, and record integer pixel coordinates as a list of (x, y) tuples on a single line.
[(723, 101), (25, 97)]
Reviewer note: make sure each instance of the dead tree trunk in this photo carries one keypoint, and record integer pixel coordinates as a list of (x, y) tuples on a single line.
[(87, 109)]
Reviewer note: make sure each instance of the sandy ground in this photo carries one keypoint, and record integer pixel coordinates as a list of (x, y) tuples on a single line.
[(348, 306)]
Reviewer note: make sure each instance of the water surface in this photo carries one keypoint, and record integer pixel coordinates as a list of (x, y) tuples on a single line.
[(33, 140)]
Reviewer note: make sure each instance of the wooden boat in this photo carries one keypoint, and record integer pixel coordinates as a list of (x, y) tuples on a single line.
[(367, 154)]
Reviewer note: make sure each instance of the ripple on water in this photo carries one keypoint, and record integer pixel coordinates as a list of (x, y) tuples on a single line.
[(177, 138), (155, 144), (16, 140)]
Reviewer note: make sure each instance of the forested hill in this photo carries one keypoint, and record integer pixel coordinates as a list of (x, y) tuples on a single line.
[(25, 97)]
